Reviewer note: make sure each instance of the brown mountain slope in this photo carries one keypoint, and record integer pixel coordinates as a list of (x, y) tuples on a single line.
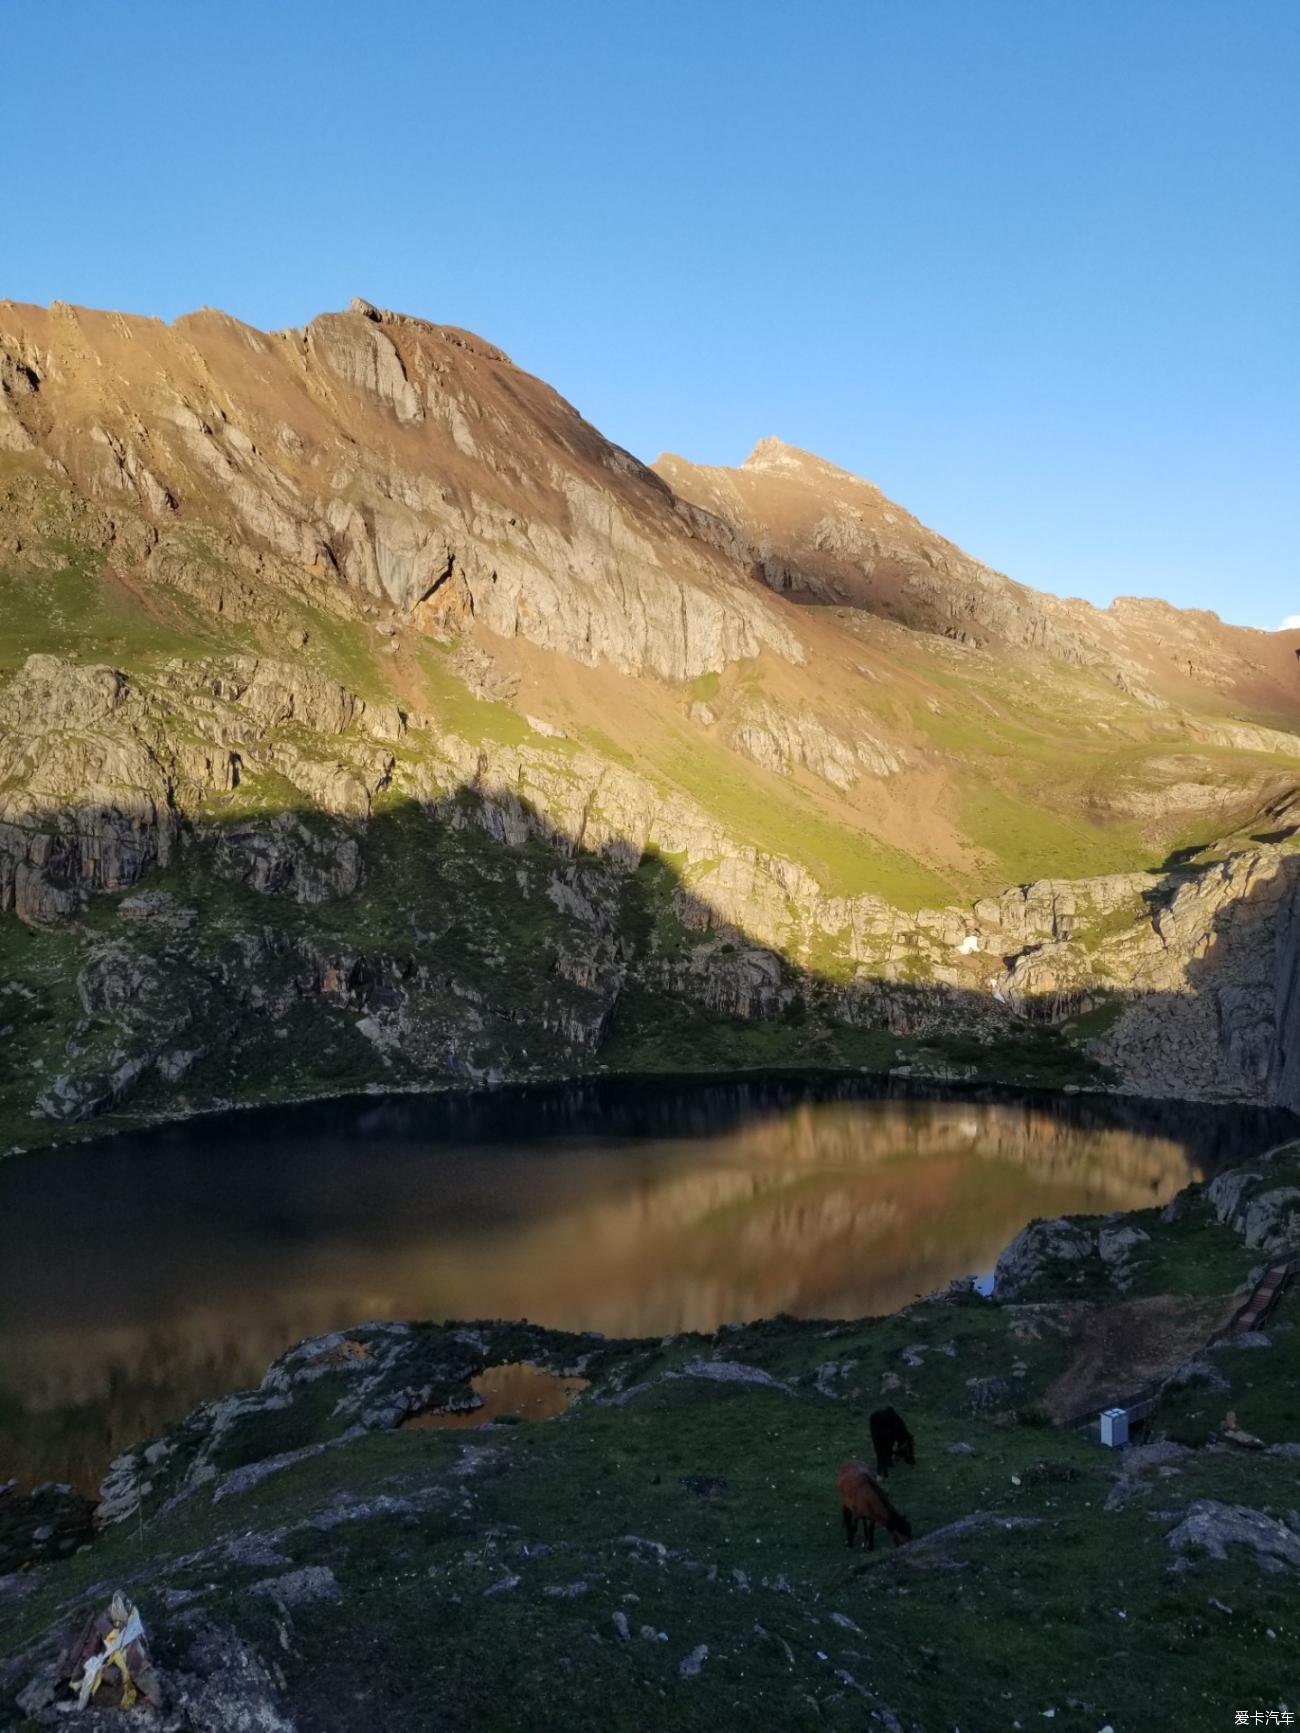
[(821, 534), (407, 478), (408, 463), (463, 745)]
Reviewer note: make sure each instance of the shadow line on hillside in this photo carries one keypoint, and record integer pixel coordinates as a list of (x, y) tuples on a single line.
[(474, 940)]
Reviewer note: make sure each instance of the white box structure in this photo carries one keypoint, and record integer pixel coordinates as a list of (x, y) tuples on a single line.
[(1114, 1427)]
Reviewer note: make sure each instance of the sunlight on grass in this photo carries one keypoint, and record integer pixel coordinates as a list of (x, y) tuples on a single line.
[(758, 810)]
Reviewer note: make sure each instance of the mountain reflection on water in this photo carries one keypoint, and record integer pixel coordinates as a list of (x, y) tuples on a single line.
[(144, 1274)]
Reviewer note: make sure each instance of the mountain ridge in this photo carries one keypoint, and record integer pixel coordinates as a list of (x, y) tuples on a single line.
[(286, 618)]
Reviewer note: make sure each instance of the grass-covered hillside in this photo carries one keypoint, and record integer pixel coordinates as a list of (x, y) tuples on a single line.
[(668, 1553)]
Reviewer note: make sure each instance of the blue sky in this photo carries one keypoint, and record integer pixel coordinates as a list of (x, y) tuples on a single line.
[(1031, 265)]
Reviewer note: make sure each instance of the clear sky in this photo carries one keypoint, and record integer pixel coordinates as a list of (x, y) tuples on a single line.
[(1033, 266)]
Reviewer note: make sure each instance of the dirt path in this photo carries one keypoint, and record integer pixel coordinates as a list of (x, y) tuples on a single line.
[(1122, 1349)]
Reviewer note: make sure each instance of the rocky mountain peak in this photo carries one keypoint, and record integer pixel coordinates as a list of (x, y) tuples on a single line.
[(775, 457), (774, 453), (453, 334)]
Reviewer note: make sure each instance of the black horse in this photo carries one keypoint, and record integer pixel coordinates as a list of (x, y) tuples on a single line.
[(891, 1440)]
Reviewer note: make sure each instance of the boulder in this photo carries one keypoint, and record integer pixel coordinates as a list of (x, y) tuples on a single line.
[(1267, 1216), (987, 1395), (1116, 1243), (1036, 1249), (1212, 1527), (1271, 1220)]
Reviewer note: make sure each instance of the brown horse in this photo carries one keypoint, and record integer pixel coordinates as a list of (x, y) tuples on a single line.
[(863, 1497)]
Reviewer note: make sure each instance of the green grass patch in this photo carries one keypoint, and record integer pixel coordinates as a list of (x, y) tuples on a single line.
[(1029, 840), (1092, 1024), (458, 710), (80, 613), (768, 813)]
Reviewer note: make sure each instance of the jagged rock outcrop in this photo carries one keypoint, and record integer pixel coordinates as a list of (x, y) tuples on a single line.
[(95, 774), (780, 742), (1059, 1248), (1255, 1205), (84, 802), (1209, 1528)]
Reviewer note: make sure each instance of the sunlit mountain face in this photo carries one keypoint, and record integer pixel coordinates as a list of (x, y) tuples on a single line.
[(368, 719)]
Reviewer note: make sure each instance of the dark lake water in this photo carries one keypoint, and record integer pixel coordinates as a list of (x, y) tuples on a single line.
[(145, 1273)]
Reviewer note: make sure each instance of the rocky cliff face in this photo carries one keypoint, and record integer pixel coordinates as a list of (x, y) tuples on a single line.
[(366, 718), (469, 912), (410, 466)]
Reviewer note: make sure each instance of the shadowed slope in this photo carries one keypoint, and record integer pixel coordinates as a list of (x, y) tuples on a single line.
[(465, 937)]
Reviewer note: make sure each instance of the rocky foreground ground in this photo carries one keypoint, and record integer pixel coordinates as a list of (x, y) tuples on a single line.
[(668, 1553)]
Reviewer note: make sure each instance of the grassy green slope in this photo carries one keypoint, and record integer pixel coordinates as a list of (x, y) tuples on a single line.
[(495, 1577)]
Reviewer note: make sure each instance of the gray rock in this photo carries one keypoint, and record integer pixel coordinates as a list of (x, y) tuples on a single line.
[(1225, 1191), (689, 1667), (251, 1474), (1036, 1249), (731, 1372), (937, 1539), (158, 906), (226, 1688), (1271, 1221), (985, 1395), (1212, 1527), (1198, 1371), (1119, 1242), (1266, 1216), (301, 1587), (829, 1373)]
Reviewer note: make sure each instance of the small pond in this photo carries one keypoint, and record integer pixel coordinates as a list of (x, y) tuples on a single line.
[(521, 1391)]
